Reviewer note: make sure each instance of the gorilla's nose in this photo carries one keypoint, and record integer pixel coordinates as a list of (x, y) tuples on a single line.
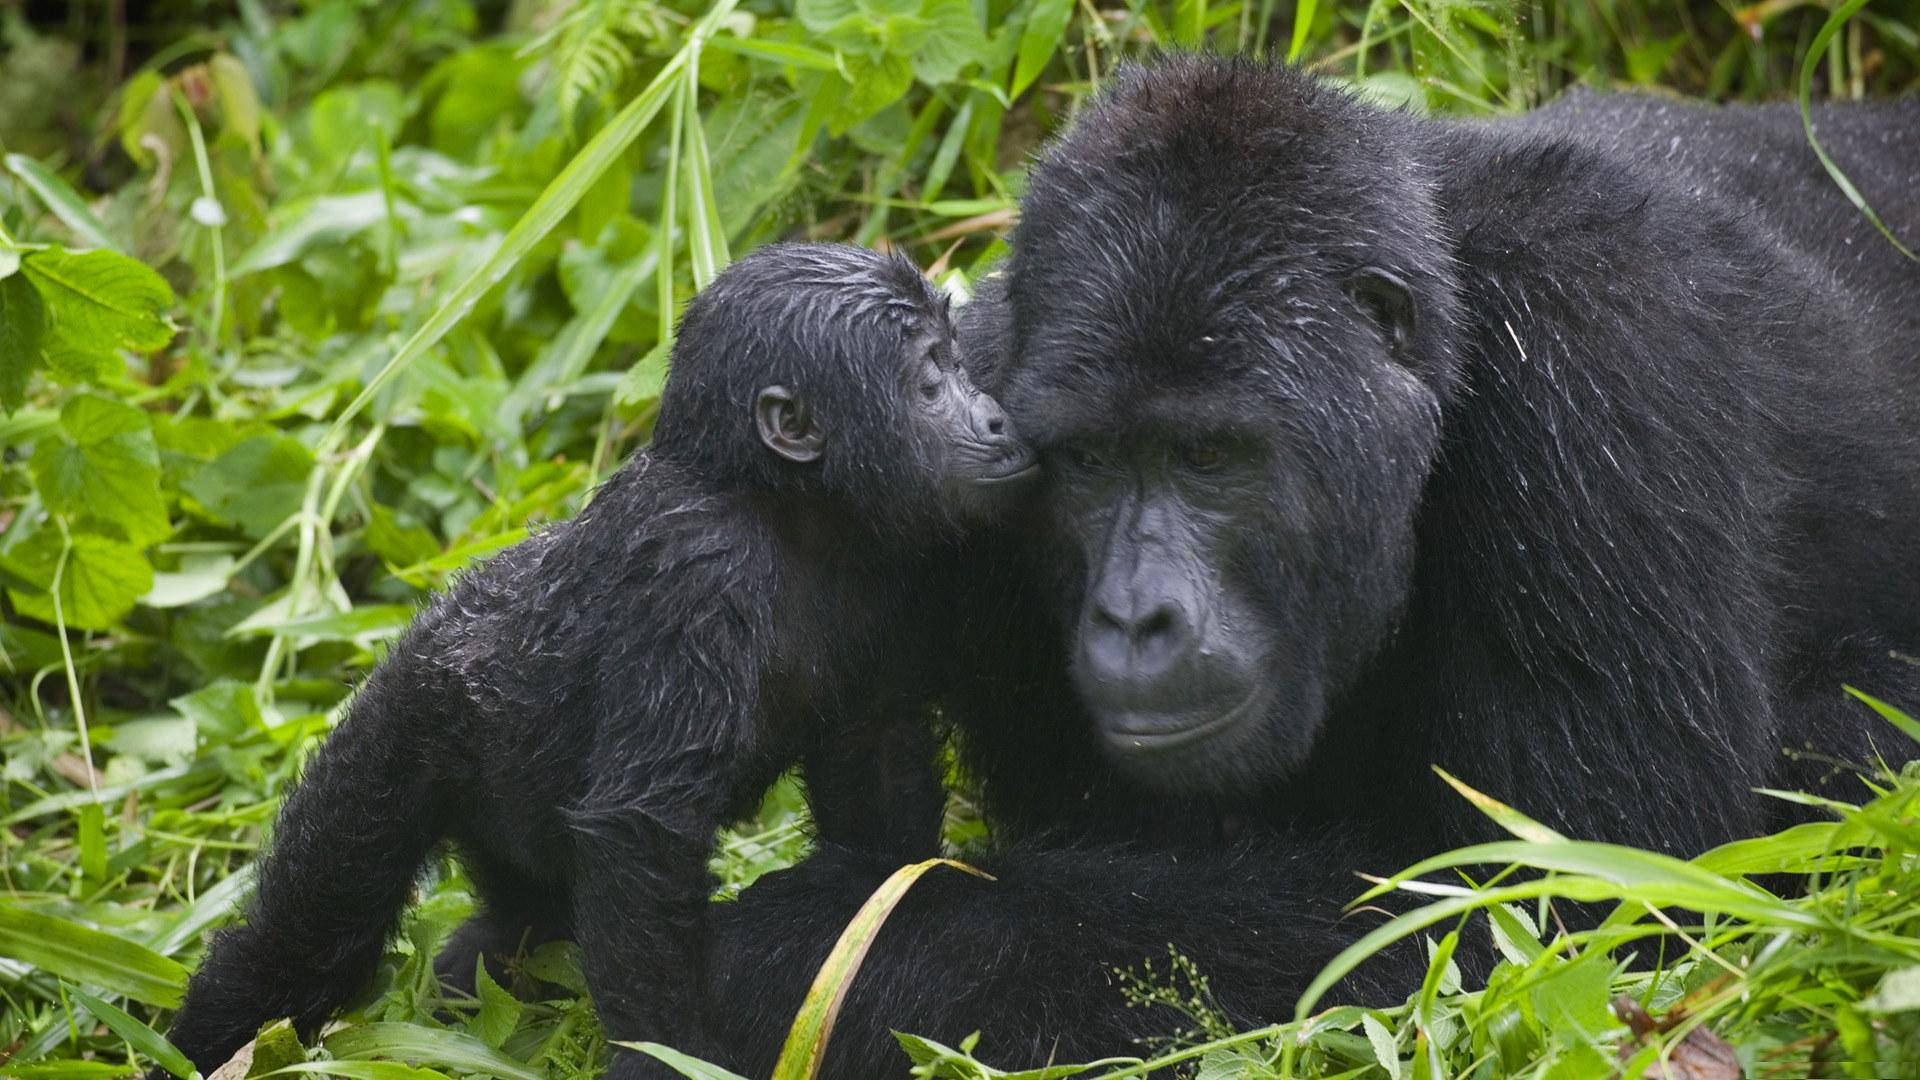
[(1135, 636), (990, 423)]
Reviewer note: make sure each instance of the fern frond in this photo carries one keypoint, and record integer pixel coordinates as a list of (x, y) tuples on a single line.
[(590, 46)]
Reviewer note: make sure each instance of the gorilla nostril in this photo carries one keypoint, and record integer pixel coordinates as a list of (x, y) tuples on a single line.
[(1159, 623), (997, 424), (1105, 619)]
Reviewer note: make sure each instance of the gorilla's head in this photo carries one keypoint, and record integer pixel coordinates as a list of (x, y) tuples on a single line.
[(1232, 341)]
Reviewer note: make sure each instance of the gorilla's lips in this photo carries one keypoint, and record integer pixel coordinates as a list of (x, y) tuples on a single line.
[(1137, 732), (1016, 467)]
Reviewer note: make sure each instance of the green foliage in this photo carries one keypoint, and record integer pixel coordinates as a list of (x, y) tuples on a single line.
[(1820, 982), (304, 308)]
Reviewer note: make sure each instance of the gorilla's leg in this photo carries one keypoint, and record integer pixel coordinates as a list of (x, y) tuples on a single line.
[(517, 913), (346, 850), (1030, 959)]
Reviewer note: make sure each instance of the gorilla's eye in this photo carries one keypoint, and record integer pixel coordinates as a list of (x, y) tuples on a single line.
[(1082, 456), (930, 380), (1203, 456)]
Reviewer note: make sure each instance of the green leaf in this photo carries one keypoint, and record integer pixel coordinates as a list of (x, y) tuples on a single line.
[(361, 1070), (239, 104), (412, 1043), (806, 1045), (102, 580), (1303, 13), (221, 711), (555, 202), (1503, 815), (256, 485), (823, 16), (1898, 992), (138, 1035), (23, 326), (305, 224), (706, 237), (781, 52), (877, 83), (107, 468), (84, 955), (364, 625), (276, 1047), (691, 1067), (1572, 1000), (200, 575), (61, 199), (641, 384), (1384, 1049), (1836, 19), (1907, 724), (954, 40), (99, 302), (1046, 22), (64, 1069), (499, 1011), (397, 544)]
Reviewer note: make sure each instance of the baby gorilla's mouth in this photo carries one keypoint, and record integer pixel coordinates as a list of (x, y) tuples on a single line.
[(1023, 466)]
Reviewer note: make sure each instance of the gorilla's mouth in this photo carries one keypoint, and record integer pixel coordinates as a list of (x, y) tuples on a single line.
[(1022, 468), (1135, 733)]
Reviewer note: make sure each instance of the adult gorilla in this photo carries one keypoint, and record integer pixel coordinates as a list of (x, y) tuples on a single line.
[(1578, 453)]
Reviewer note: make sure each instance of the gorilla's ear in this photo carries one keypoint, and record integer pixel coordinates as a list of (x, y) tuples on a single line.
[(1389, 303), (787, 425)]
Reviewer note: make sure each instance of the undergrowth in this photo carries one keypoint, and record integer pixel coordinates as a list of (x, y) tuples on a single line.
[(304, 307)]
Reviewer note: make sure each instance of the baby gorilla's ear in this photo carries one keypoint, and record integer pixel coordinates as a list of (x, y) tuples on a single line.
[(787, 425)]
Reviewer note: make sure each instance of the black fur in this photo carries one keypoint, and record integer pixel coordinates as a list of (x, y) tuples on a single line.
[(1577, 453), (579, 715)]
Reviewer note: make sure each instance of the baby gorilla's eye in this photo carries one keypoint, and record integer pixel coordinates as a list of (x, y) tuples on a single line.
[(931, 379), (1203, 456), (1082, 456)]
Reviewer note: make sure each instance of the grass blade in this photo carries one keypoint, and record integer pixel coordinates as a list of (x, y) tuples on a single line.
[(687, 1066), (84, 955), (138, 1035), (706, 236), (1898, 718), (61, 200), (1828, 29), (410, 1042), (1503, 815), (807, 1041), (547, 211)]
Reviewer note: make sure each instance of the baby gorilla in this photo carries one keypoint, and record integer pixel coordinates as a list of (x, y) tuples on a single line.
[(582, 713)]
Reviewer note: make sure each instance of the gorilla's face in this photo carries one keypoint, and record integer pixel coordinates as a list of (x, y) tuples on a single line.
[(1229, 503), (1233, 364)]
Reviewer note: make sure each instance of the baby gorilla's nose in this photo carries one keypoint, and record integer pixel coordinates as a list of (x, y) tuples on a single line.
[(989, 419)]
